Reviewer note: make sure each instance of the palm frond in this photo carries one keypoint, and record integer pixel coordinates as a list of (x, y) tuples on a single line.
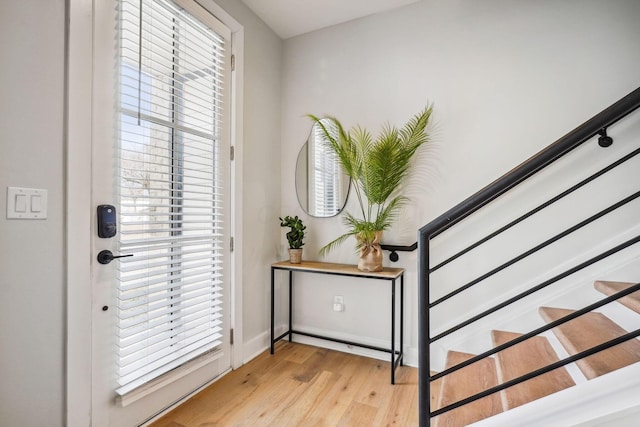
[(335, 243), (355, 226), (389, 213), (413, 133), (338, 139), (377, 169)]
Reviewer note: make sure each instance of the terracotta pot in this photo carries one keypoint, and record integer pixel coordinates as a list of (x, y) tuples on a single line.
[(295, 256), (371, 255)]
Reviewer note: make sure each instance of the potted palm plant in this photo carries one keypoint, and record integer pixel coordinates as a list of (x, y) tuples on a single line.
[(295, 237), (377, 168)]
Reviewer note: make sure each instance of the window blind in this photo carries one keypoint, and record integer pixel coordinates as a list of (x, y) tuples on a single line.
[(173, 72), (325, 175)]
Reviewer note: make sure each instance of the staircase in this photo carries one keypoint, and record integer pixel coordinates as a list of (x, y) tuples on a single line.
[(577, 335), (569, 212)]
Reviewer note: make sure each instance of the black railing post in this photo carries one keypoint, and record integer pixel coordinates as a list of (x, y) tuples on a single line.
[(424, 388)]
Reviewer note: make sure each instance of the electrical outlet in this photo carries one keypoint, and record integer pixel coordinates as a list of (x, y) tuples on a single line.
[(338, 303)]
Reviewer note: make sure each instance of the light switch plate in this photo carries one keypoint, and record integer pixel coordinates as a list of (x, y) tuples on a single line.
[(26, 203)]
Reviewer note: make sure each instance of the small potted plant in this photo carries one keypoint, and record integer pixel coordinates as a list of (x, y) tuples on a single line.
[(295, 237)]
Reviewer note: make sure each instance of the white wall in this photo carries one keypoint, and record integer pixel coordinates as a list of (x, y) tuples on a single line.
[(32, 279), (506, 78), (489, 67)]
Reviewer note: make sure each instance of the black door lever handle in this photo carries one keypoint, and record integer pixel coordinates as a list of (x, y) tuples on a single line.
[(106, 256)]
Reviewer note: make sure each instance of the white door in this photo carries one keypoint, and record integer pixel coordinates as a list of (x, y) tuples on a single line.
[(161, 158)]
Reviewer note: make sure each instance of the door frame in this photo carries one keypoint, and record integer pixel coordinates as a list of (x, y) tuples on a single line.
[(80, 214)]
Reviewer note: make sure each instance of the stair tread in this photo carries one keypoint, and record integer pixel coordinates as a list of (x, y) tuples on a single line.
[(435, 392), (588, 331), (466, 382), (523, 358), (631, 301)]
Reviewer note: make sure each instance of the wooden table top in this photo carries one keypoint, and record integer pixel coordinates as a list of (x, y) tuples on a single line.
[(343, 269)]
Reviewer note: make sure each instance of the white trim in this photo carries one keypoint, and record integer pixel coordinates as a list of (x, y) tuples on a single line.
[(205, 16), (346, 348), (237, 141), (168, 378), (221, 15), (260, 343), (79, 52), (256, 346)]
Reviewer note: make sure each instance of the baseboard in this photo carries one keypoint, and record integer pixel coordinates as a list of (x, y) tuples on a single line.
[(260, 343)]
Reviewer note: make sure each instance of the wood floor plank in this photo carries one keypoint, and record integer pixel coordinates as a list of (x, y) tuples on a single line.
[(631, 301), (301, 386), (261, 408), (413, 419), (466, 382), (299, 354), (393, 413), (337, 400), (292, 415), (282, 389), (321, 359), (358, 414), (231, 392), (523, 358), (375, 391), (587, 331)]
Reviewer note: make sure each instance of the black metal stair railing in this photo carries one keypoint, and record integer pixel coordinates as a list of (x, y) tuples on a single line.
[(595, 126)]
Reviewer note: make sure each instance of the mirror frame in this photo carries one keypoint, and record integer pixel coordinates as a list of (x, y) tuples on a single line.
[(303, 183)]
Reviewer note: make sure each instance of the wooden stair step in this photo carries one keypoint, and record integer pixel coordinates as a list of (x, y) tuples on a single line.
[(525, 357), (631, 301), (466, 382), (436, 386), (587, 331), (435, 392)]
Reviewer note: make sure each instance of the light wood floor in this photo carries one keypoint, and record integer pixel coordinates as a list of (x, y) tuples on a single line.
[(302, 385)]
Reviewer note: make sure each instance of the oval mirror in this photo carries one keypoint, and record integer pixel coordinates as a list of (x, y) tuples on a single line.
[(321, 185)]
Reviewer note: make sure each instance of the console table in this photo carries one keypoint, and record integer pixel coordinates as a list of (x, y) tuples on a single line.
[(388, 274)]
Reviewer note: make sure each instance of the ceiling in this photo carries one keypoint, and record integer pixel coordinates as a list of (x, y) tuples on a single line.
[(290, 18)]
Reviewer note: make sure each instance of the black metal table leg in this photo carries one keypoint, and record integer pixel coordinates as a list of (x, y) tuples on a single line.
[(393, 331), (290, 304), (272, 308), (402, 319)]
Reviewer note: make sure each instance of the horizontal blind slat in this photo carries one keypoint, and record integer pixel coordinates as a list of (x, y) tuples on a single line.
[(175, 296), (159, 359), (137, 343), (173, 323), (156, 295), (152, 344)]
